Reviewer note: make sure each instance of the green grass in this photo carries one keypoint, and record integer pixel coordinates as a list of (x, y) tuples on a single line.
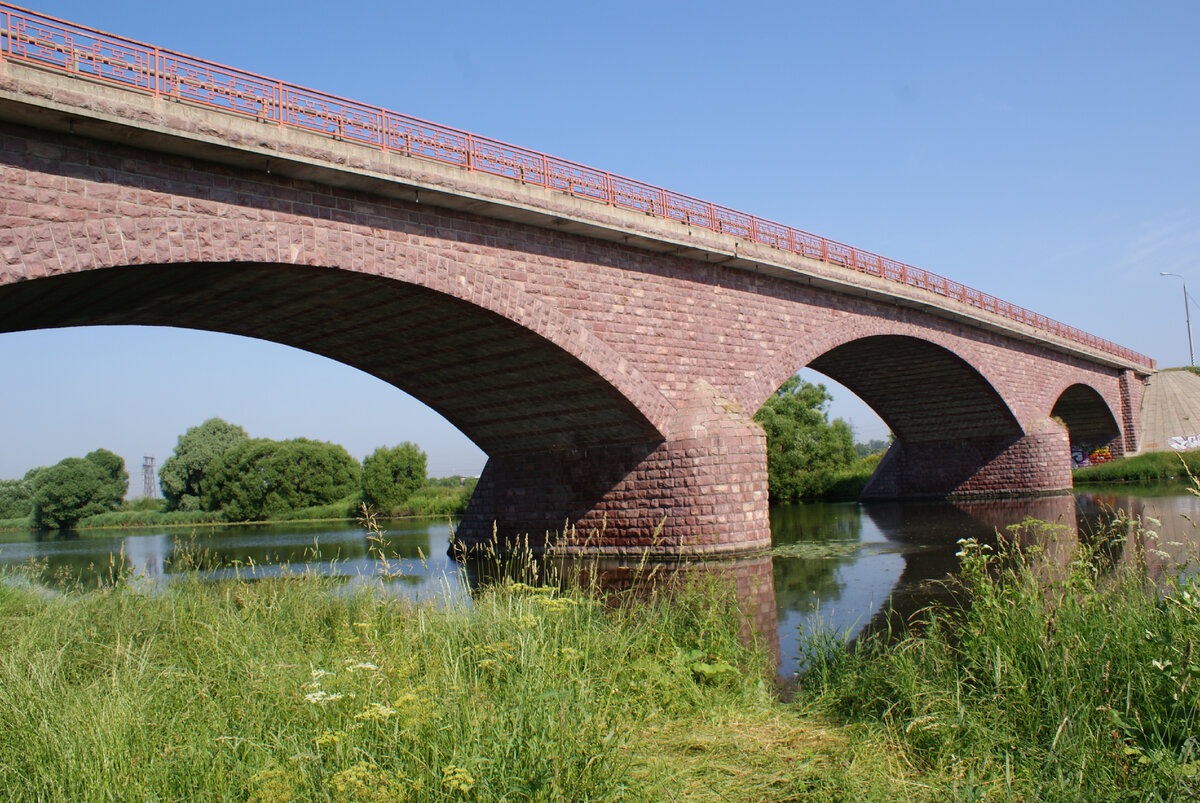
[(1142, 468), (1065, 676), (1065, 679), (302, 689)]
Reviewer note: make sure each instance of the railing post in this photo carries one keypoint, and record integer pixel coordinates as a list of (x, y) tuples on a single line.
[(280, 107)]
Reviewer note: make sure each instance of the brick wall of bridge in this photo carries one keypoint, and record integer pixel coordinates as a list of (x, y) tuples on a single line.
[(625, 333)]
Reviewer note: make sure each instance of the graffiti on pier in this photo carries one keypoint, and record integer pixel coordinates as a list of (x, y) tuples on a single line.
[(1082, 456), (1181, 443)]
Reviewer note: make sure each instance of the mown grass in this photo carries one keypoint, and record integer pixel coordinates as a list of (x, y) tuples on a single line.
[(1059, 680), (1147, 467)]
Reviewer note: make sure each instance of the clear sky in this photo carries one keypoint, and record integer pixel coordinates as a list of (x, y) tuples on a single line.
[(1043, 152)]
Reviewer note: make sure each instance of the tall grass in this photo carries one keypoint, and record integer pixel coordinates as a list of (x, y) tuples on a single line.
[(1060, 681), (304, 688)]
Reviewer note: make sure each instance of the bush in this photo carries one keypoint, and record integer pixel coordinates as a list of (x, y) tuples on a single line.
[(264, 479), (69, 491), (437, 501), (16, 499), (390, 476), (182, 475), (804, 448)]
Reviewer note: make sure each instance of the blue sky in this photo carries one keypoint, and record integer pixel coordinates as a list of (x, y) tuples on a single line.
[(1042, 152)]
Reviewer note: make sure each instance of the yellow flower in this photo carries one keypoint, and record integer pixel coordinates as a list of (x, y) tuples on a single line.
[(457, 779), (329, 739), (376, 711)]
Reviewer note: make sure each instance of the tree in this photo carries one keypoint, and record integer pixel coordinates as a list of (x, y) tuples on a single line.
[(391, 476), (182, 474), (16, 499), (117, 478), (68, 491), (804, 449), (260, 479)]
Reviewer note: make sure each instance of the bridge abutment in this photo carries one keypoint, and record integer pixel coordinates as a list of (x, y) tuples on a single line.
[(1038, 462), (703, 491)]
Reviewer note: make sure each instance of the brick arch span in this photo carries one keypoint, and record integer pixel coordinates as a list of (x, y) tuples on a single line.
[(888, 335), (1088, 418), (957, 434), (579, 441), (512, 373)]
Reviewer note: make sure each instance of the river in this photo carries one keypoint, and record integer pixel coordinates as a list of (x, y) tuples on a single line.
[(846, 567)]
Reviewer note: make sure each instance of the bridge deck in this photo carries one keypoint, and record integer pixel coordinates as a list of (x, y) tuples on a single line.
[(86, 53)]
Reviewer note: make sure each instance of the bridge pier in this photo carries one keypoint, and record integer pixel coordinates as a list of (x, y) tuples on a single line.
[(1038, 462), (703, 491)]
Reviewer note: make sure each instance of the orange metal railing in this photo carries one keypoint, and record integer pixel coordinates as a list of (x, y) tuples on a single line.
[(49, 42)]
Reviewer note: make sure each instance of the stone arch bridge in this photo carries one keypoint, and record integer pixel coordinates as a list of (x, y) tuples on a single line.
[(606, 353)]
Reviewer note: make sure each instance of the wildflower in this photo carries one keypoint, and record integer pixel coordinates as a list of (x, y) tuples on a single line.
[(457, 779), (364, 781), (317, 674), (376, 711), (320, 697), (526, 621), (329, 739), (271, 785)]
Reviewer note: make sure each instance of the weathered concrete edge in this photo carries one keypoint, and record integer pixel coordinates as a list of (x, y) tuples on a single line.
[(49, 100)]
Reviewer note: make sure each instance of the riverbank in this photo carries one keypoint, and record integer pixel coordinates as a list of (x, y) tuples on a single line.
[(432, 501), (1067, 682), (1148, 467), (294, 689)]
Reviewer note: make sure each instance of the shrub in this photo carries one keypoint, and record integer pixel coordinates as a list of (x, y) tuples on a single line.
[(263, 479), (68, 491), (182, 475), (390, 476), (16, 499)]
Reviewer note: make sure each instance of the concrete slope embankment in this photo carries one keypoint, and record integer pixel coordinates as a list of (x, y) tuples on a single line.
[(1171, 412)]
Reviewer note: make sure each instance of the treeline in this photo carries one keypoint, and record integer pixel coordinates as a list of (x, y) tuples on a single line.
[(219, 473), (59, 496)]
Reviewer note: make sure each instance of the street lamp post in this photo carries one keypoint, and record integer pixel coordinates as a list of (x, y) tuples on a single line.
[(1187, 314)]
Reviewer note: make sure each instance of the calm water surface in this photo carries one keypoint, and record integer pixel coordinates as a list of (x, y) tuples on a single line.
[(849, 567)]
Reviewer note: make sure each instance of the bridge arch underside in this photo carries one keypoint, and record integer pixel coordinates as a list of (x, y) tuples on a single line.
[(1089, 422), (955, 436), (569, 451)]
